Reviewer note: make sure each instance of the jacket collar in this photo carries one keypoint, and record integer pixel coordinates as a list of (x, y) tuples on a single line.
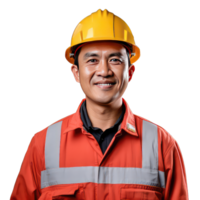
[(128, 124)]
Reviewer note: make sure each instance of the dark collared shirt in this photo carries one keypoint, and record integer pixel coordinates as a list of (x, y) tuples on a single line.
[(103, 138)]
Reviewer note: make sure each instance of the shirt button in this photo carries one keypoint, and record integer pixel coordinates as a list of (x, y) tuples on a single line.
[(102, 139)]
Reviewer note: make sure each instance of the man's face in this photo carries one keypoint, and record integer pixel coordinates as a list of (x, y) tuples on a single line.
[(103, 71)]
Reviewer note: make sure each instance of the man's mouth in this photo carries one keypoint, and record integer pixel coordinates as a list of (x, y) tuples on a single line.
[(105, 85)]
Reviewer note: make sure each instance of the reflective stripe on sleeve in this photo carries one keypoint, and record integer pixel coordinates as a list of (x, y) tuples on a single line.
[(52, 146), (149, 145)]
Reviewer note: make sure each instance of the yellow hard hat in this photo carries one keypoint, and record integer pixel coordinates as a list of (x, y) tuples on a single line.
[(102, 25)]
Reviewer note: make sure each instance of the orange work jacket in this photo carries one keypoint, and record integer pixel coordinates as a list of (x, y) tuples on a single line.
[(64, 161)]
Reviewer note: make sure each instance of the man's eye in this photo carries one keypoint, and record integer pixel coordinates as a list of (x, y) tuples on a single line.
[(92, 60), (115, 60)]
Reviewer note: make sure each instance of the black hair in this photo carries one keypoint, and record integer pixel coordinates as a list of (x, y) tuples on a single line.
[(78, 52)]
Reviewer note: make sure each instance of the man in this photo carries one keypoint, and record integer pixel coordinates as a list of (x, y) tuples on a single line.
[(103, 151)]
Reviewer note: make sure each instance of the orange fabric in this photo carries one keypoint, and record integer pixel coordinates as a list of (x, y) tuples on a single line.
[(79, 148)]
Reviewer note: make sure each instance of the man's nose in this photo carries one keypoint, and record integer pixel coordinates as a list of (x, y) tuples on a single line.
[(104, 68)]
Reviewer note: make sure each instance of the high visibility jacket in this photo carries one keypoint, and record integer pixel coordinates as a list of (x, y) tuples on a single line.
[(63, 161)]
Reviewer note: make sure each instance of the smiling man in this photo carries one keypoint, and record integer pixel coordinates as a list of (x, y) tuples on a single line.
[(102, 151), (103, 75)]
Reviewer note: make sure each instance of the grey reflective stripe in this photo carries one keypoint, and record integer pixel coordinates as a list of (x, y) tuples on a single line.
[(52, 146), (149, 146), (108, 175), (147, 175), (162, 178)]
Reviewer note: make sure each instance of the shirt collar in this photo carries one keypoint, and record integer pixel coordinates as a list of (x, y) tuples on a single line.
[(86, 120), (128, 123)]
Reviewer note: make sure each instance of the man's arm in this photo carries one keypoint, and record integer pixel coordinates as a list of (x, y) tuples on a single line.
[(26, 185), (176, 183)]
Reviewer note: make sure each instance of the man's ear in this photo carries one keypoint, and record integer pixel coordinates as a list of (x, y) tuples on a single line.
[(132, 71), (75, 71)]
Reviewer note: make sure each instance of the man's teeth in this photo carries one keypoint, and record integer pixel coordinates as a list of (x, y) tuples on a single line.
[(105, 84)]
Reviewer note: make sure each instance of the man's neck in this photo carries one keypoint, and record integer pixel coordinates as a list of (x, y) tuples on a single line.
[(103, 116)]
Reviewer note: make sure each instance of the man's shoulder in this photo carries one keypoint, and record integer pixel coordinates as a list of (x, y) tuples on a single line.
[(165, 138), (41, 135)]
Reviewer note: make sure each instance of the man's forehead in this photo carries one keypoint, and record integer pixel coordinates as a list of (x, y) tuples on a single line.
[(103, 46)]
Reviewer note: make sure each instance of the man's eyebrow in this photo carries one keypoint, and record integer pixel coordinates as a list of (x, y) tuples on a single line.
[(87, 55), (118, 54), (90, 54)]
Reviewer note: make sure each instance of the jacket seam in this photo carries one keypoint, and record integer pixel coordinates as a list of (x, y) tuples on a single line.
[(169, 148)]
